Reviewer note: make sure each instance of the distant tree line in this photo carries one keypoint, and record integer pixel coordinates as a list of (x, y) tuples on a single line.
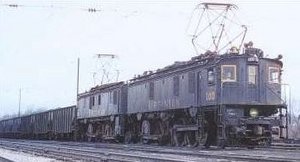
[(294, 127), (294, 121), (27, 112)]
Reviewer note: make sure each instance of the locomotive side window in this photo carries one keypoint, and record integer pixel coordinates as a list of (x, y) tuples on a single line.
[(92, 101), (192, 82), (115, 97), (210, 76), (110, 97), (176, 86), (273, 75), (228, 73), (252, 74), (99, 99), (151, 91), (84, 102)]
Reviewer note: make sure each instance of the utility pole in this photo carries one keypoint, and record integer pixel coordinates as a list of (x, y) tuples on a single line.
[(76, 108), (78, 64), (20, 95)]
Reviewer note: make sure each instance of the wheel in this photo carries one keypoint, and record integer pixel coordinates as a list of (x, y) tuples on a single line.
[(222, 144), (127, 138), (145, 141)]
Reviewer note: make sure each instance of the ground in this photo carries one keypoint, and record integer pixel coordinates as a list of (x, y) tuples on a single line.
[(22, 157)]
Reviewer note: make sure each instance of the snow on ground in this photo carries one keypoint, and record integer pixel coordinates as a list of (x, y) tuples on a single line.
[(18, 156)]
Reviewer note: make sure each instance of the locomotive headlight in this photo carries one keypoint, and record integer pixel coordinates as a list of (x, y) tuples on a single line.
[(253, 112)]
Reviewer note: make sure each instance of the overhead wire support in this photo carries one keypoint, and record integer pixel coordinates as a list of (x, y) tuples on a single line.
[(109, 72), (215, 22)]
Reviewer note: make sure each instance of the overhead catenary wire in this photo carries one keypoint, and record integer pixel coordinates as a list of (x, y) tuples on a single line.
[(16, 5)]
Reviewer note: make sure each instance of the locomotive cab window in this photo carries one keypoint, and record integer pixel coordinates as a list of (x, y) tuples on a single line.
[(252, 74), (273, 74), (228, 73)]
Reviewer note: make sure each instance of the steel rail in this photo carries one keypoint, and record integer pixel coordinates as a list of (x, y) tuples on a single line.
[(110, 150)]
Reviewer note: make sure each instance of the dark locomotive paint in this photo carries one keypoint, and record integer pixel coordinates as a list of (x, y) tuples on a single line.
[(171, 104)]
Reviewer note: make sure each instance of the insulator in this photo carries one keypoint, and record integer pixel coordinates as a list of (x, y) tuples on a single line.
[(92, 10)]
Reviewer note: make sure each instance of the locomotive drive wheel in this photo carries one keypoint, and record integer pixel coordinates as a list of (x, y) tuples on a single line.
[(186, 138), (164, 135), (145, 128), (193, 142), (202, 139), (89, 133), (127, 139)]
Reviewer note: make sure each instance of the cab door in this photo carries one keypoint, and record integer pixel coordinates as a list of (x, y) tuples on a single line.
[(252, 90)]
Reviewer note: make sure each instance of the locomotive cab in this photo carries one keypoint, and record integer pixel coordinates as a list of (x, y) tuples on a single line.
[(249, 96)]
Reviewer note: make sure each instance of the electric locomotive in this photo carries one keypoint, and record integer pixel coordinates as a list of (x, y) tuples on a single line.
[(228, 99)]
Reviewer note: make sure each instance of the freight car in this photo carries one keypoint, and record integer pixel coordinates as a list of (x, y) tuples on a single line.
[(57, 123), (10, 127), (232, 95)]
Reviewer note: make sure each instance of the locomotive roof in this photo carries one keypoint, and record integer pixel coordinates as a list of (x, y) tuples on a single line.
[(102, 87), (106, 86), (207, 60)]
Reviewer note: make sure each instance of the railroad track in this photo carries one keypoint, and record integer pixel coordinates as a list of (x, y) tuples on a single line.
[(288, 145), (285, 146), (4, 160), (72, 151), (87, 154)]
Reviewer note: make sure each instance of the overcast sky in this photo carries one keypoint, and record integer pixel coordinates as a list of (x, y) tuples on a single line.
[(41, 41)]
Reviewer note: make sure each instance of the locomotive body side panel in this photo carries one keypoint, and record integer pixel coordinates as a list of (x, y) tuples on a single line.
[(206, 90), (232, 82), (270, 83), (102, 102), (175, 91)]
